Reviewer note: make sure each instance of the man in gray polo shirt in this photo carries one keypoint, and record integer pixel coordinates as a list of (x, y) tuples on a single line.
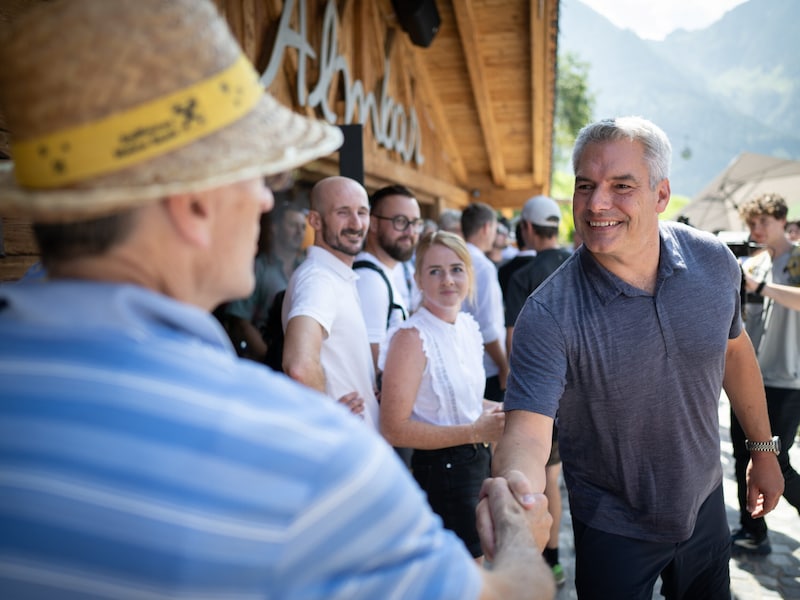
[(631, 343)]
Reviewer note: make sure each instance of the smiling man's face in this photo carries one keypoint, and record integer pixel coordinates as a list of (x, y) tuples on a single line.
[(615, 210)]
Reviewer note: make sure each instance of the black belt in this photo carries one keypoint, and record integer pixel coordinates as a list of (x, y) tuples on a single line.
[(452, 449)]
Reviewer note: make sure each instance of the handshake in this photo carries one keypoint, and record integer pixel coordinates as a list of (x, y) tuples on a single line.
[(514, 526)]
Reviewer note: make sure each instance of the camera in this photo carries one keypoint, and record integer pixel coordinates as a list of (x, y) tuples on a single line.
[(739, 243)]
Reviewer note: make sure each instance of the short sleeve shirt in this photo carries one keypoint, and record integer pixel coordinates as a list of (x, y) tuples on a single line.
[(635, 380), (487, 307), (324, 289), (774, 328), (374, 295)]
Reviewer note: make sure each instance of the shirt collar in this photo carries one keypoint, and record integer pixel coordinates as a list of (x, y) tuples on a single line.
[(608, 286), (330, 261)]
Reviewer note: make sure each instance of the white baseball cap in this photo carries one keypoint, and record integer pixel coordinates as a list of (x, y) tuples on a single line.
[(542, 211)]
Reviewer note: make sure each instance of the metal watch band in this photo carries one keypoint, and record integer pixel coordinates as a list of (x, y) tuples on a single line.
[(768, 446)]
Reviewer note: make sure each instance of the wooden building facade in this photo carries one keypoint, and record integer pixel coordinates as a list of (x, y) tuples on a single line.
[(452, 98)]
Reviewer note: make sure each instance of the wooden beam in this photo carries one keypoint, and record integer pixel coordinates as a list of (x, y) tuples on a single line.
[(380, 171), (539, 65), (501, 199), (522, 181), (465, 20), (420, 183), (249, 40), (430, 99), (483, 189)]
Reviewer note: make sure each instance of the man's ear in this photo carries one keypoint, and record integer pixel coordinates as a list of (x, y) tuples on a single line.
[(527, 226), (315, 220), (191, 216), (663, 195)]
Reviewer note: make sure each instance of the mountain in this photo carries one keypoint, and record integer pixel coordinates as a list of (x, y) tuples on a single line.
[(729, 88)]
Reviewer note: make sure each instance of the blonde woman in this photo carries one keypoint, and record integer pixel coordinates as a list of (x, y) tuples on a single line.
[(433, 381)]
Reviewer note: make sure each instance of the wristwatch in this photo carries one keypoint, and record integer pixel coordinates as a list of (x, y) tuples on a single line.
[(773, 445)]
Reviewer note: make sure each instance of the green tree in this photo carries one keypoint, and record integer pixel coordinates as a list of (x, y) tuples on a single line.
[(574, 107)]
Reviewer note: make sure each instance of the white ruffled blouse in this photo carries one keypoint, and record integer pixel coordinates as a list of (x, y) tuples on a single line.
[(451, 390)]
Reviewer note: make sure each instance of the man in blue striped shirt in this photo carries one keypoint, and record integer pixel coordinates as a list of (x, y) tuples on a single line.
[(139, 457)]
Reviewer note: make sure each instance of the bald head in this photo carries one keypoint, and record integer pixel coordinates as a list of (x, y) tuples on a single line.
[(335, 189), (339, 216)]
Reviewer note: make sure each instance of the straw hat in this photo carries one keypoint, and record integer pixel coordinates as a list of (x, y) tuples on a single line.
[(85, 87)]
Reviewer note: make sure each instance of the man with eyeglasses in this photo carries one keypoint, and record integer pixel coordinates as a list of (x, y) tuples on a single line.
[(394, 229)]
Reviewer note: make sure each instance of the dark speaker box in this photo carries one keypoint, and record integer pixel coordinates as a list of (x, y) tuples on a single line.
[(419, 18), (351, 154)]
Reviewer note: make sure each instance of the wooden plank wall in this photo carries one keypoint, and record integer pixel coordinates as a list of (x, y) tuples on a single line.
[(18, 249)]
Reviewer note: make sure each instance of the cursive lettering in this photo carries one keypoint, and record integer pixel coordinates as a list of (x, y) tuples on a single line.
[(393, 127)]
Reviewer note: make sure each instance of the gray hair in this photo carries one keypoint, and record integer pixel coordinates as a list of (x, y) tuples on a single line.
[(449, 219), (657, 149)]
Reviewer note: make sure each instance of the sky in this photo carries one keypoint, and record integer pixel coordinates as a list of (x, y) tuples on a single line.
[(655, 19)]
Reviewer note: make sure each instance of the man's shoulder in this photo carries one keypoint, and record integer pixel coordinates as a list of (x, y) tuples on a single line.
[(482, 264), (318, 257), (312, 286), (559, 254), (365, 256), (514, 265), (685, 234), (476, 253), (792, 269), (694, 247), (546, 260), (366, 262), (314, 266)]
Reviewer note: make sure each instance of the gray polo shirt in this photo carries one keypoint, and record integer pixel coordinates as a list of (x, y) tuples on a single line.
[(636, 381)]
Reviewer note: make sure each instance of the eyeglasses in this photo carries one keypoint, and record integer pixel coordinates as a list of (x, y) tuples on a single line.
[(401, 223)]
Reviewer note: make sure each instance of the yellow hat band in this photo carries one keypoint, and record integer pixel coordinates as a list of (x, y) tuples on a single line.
[(139, 134)]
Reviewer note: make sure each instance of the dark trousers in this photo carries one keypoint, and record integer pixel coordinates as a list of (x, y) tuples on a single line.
[(612, 566), (783, 406), (492, 390), (452, 479)]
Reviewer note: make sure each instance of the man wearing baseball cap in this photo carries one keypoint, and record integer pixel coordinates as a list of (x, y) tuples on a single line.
[(141, 458), (539, 222), (536, 207)]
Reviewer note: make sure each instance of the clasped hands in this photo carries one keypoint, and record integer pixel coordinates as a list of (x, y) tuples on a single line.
[(509, 513)]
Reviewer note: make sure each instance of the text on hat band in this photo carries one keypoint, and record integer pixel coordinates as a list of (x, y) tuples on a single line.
[(140, 133)]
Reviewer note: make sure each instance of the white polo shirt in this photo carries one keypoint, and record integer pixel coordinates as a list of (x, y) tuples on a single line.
[(374, 295), (487, 308), (324, 288)]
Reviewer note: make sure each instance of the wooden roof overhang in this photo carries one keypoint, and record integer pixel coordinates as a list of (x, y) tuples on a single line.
[(483, 91), (481, 95)]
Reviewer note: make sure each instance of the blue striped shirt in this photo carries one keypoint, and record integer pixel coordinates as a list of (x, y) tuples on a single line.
[(139, 458)]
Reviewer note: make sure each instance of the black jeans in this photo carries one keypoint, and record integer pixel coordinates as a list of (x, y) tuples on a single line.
[(783, 406), (452, 478)]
